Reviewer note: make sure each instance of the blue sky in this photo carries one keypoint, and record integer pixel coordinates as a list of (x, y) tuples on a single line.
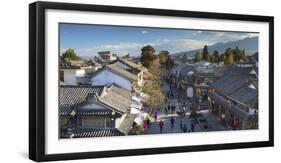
[(87, 40)]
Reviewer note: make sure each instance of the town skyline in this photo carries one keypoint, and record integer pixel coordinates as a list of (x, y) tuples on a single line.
[(88, 40), (211, 88)]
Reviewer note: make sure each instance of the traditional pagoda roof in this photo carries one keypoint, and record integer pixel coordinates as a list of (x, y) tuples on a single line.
[(71, 96), (117, 98), (241, 70), (128, 63), (240, 88), (245, 95), (134, 65), (122, 129), (94, 100), (230, 83), (126, 123), (232, 108), (210, 71)]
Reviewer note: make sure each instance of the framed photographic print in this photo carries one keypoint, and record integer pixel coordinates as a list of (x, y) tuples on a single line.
[(108, 81)]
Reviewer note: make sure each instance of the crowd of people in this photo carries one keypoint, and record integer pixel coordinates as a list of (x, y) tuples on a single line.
[(175, 104), (153, 117)]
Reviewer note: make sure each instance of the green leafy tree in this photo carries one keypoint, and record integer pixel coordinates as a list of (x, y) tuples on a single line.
[(70, 54), (211, 58), (206, 53), (163, 57), (242, 55), (165, 60), (239, 55), (147, 55), (216, 56), (198, 57), (228, 60), (222, 58), (154, 91), (155, 68)]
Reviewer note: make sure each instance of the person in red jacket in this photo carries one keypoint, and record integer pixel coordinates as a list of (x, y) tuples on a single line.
[(161, 125)]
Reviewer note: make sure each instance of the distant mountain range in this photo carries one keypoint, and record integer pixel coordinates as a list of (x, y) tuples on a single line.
[(249, 44)]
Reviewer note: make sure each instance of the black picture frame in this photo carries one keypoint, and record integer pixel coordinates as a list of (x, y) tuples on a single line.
[(37, 79)]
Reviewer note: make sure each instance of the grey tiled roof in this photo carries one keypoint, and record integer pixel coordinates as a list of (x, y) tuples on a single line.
[(117, 98), (121, 91), (70, 96), (88, 132), (232, 108), (230, 83), (89, 100), (236, 87), (135, 67), (185, 69), (211, 71), (123, 72), (245, 95), (126, 123), (91, 106), (240, 70)]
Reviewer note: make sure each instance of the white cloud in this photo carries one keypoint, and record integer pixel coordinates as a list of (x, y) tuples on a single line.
[(172, 46), (195, 33), (215, 37), (180, 45), (144, 32), (120, 49)]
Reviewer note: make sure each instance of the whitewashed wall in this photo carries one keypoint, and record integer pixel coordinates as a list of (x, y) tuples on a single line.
[(106, 77), (71, 74)]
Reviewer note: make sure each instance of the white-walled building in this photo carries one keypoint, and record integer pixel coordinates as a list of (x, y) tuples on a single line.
[(69, 76), (107, 56), (118, 75)]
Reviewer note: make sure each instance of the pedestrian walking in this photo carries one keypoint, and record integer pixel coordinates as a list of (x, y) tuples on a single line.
[(184, 128), (161, 125), (192, 126), (145, 127), (169, 109), (155, 115), (166, 110), (184, 111), (172, 121), (148, 121), (173, 109), (181, 125)]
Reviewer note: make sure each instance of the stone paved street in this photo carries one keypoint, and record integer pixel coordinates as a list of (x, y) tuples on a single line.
[(154, 128)]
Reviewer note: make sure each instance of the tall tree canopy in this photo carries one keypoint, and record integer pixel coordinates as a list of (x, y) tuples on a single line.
[(147, 55), (165, 60), (198, 57), (228, 60), (206, 53), (156, 96), (70, 54), (234, 55), (216, 56)]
